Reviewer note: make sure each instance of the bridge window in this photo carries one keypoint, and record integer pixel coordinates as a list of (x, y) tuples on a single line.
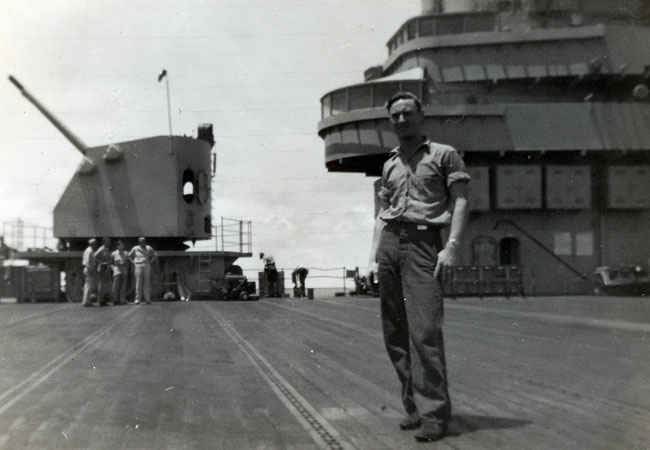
[(411, 30), (426, 27), (338, 102), (383, 92), (326, 107), (450, 25), (360, 97)]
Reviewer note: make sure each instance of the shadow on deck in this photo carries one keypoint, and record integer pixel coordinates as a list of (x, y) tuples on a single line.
[(469, 423)]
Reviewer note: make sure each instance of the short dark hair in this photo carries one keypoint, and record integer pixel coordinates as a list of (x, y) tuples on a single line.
[(404, 95)]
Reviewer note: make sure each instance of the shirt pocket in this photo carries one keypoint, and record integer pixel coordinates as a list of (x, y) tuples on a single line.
[(429, 187)]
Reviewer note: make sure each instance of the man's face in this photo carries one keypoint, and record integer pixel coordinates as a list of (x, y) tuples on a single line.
[(406, 119)]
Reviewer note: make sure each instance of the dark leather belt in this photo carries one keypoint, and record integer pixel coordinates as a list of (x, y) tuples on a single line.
[(410, 226), (415, 231)]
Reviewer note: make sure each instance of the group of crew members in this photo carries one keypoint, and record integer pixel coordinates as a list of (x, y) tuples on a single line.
[(106, 272)]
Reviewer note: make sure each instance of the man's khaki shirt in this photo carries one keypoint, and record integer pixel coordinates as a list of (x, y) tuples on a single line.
[(119, 262), (142, 256), (417, 190)]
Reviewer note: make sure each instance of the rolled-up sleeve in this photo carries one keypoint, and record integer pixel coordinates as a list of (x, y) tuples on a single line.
[(383, 193), (454, 167), (384, 196)]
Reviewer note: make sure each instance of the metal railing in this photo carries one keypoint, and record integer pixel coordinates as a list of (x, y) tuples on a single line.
[(341, 277), (21, 236), (233, 235), (229, 235)]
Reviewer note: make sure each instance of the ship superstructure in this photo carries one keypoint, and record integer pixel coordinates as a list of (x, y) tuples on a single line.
[(548, 101)]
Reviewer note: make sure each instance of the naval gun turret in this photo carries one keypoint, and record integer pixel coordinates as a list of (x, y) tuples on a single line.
[(157, 187)]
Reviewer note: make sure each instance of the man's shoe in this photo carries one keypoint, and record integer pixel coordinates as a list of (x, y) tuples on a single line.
[(137, 302), (410, 423), (431, 432)]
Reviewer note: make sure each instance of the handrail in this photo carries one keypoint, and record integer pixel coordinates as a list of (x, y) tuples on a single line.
[(542, 246)]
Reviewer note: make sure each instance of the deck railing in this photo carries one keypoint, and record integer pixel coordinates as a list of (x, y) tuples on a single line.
[(233, 235)]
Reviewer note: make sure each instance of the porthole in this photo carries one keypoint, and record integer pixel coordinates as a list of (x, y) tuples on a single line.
[(189, 186)]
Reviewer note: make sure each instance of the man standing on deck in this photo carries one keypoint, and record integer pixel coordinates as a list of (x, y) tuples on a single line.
[(120, 266), (90, 273), (103, 261), (423, 189), (271, 275), (142, 256)]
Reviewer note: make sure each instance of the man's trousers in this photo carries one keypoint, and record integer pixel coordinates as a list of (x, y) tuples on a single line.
[(104, 283), (272, 289), (90, 287), (142, 282), (119, 289), (412, 313)]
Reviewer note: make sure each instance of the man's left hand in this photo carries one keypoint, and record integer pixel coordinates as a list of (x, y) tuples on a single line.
[(447, 257)]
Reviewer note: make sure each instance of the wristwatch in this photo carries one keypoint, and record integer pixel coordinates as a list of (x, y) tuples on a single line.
[(452, 243)]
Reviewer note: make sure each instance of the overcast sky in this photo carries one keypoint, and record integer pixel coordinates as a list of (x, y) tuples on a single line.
[(255, 69)]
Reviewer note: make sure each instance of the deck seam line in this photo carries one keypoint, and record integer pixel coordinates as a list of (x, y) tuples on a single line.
[(16, 393), (323, 433), (35, 315)]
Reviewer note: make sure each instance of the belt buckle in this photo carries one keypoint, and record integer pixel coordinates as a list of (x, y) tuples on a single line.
[(421, 227)]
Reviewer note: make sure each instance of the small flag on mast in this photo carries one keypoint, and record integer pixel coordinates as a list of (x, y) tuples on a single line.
[(162, 75)]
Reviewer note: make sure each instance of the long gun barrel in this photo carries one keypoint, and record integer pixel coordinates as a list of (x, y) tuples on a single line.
[(78, 143)]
